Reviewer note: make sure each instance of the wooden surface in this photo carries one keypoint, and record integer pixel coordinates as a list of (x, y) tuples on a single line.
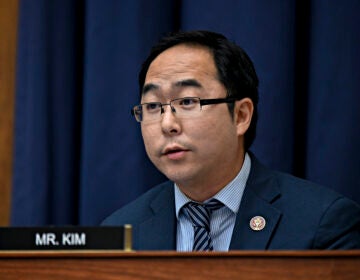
[(8, 25), (250, 265)]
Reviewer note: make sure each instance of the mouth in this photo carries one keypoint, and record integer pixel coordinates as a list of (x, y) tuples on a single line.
[(175, 153)]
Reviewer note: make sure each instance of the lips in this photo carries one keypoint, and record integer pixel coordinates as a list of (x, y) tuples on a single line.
[(174, 152), (171, 150)]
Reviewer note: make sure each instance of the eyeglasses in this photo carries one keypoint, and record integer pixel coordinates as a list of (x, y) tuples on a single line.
[(183, 107)]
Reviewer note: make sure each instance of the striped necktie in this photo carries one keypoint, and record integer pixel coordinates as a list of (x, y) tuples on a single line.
[(200, 215)]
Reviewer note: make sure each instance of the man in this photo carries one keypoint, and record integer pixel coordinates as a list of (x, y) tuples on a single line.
[(198, 116)]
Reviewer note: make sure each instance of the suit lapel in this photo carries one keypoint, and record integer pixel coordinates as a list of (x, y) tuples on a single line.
[(260, 192), (159, 231)]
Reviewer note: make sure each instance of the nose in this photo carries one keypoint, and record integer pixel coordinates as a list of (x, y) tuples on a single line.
[(167, 104), (170, 124)]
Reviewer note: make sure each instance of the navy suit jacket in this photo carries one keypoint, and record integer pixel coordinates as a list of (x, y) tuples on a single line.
[(299, 215)]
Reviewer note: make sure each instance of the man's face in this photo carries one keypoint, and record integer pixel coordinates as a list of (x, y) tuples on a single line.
[(203, 150)]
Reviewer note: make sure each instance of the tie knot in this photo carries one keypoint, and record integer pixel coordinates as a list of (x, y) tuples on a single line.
[(199, 214), (213, 205)]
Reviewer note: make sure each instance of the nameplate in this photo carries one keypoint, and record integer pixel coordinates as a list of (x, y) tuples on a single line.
[(66, 238)]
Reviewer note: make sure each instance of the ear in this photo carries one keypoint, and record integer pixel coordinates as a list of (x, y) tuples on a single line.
[(243, 112)]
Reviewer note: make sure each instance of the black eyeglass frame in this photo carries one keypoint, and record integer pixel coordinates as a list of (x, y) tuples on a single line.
[(203, 102)]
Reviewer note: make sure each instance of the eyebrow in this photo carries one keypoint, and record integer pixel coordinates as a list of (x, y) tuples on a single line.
[(178, 84), (149, 87), (188, 83)]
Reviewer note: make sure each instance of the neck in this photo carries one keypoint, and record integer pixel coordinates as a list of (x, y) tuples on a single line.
[(205, 187)]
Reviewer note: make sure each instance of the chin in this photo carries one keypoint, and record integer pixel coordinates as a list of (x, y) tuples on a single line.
[(181, 177)]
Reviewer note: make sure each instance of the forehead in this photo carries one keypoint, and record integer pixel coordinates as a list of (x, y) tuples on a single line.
[(184, 60)]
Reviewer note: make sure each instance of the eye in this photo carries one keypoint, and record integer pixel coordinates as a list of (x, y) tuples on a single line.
[(152, 107), (189, 102)]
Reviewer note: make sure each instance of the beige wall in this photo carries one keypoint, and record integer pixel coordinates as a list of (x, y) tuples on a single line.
[(8, 26)]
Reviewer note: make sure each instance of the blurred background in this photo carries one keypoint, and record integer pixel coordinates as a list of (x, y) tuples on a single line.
[(70, 152)]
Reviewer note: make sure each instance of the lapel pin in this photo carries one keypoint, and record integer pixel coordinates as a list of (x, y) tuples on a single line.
[(257, 223)]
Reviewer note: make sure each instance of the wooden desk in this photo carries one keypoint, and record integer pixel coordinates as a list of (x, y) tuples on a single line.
[(249, 265)]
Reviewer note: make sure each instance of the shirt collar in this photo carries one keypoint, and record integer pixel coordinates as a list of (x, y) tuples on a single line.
[(226, 195)]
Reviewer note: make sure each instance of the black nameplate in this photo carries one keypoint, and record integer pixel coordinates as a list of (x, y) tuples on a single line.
[(63, 238)]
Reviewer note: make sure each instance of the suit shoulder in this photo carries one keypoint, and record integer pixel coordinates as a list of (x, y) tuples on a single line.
[(267, 180), (140, 208), (295, 193), (300, 188), (312, 216)]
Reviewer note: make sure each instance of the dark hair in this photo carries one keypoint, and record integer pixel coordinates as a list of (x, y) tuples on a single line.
[(235, 69)]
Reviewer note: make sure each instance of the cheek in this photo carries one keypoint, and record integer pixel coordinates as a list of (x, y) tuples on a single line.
[(224, 132), (149, 138), (214, 135)]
